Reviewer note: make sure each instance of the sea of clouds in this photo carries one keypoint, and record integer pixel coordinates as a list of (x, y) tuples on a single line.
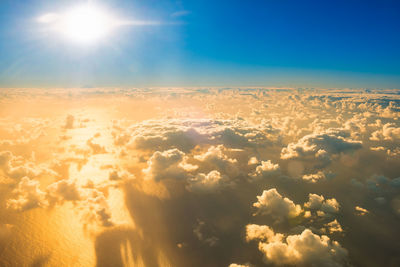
[(208, 176)]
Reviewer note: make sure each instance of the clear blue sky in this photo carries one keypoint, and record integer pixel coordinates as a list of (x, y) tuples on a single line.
[(321, 43)]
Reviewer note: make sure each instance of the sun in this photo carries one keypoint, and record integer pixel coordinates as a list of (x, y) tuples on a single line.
[(84, 24)]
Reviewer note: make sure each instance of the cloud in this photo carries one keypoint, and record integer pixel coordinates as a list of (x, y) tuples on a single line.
[(15, 168), (360, 211), (388, 132), (185, 134), (253, 160), (28, 196), (313, 178), (265, 168), (69, 122), (333, 227), (318, 202), (305, 249), (206, 182), (181, 173), (272, 203), (167, 164), (63, 190), (96, 148), (215, 156), (321, 146), (382, 184)]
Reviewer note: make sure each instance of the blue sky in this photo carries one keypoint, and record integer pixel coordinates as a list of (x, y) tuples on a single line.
[(209, 43)]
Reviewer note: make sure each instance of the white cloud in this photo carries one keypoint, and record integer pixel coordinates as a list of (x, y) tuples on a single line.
[(305, 249), (215, 156), (317, 202), (272, 203), (321, 145), (388, 132), (167, 164), (315, 177), (206, 182), (266, 168)]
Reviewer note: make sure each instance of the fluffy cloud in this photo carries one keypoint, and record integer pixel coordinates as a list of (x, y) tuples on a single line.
[(315, 177), (206, 182), (272, 203), (215, 156), (163, 169), (333, 227), (388, 132), (15, 167), (317, 202), (167, 164), (63, 190), (185, 134), (266, 168), (321, 145), (305, 249), (28, 196)]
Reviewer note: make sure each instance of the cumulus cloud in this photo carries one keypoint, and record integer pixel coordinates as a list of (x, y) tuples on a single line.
[(315, 177), (206, 182), (168, 164), (15, 167), (321, 145), (266, 168), (63, 190), (196, 153), (274, 204), (185, 134), (215, 156), (388, 132), (333, 227), (28, 196), (305, 249), (318, 202)]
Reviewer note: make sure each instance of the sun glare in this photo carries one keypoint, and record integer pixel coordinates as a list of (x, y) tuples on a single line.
[(84, 24)]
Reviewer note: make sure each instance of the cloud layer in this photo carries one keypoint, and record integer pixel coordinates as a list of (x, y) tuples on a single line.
[(200, 177)]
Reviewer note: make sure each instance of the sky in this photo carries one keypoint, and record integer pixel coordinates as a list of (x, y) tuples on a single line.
[(207, 43)]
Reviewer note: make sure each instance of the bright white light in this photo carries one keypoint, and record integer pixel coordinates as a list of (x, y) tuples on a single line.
[(84, 24)]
